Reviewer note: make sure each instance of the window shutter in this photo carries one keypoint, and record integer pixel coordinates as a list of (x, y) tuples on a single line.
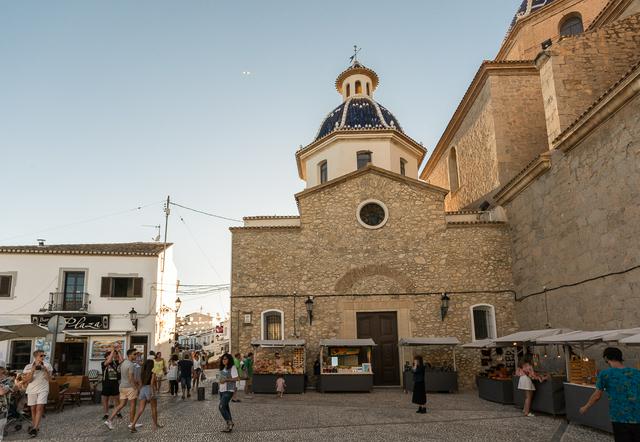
[(105, 287), (137, 287), (5, 285)]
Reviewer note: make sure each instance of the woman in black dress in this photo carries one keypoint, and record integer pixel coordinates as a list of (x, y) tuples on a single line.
[(419, 392)]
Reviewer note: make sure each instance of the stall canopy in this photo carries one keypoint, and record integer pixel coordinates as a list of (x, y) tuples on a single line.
[(447, 340), (13, 331), (631, 340), (347, 343), (278, 343), (481, 343), (530, 336), (588, 337)]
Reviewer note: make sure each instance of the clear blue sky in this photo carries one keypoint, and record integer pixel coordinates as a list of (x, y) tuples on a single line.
[(109, 105)]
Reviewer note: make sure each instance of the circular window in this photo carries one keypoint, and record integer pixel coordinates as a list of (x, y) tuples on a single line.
[(372, 214)]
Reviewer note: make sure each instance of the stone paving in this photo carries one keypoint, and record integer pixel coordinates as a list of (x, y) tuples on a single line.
[(384, 415)]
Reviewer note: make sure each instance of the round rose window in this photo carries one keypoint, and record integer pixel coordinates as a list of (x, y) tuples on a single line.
[(372, 214)]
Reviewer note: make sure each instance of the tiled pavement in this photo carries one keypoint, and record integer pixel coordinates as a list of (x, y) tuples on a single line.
[(384, 415)]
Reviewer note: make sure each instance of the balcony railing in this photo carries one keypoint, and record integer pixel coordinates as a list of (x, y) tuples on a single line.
[(68, 302)]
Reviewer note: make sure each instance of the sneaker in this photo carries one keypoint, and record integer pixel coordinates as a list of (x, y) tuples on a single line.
[(137, 426), (109, 424), (33, 433), (531, 415), (105, 417)]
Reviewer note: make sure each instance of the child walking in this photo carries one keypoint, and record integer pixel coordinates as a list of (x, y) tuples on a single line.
[(172, 375), (280, 385)]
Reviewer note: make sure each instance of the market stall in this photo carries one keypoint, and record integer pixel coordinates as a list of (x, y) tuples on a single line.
[(438, 377), (581, 373), (276, 358), (549, 394), (346, 365), (499, 360)]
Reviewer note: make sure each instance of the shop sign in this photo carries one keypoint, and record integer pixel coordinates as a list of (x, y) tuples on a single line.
[(77, 323)]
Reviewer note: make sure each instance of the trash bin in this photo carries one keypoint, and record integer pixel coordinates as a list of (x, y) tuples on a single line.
[(214, 388), (201, 393)]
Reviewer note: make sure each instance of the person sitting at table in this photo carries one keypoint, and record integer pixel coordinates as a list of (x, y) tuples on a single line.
[(527, 375)]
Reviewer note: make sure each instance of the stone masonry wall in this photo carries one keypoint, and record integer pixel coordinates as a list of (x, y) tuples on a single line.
[(519, 121), (348, 268), (475, 145), (580, 220), (583, 67)]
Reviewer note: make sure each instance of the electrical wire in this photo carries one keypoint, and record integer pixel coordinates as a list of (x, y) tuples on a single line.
[(98, 218), (205, 213), (193, 238)]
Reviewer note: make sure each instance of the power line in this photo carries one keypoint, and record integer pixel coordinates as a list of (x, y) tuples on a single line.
[(193, 238), (98, 218), (206, 213)]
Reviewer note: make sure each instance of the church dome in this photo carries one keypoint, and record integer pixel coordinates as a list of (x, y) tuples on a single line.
[(528, 7), (358, 113)]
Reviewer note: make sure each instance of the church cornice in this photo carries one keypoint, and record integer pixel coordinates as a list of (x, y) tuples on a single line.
[(345, 134), (486, 70), (609, 13), (520, 182)]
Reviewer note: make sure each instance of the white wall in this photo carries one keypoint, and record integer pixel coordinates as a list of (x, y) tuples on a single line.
[(341, 157), (40, 274)]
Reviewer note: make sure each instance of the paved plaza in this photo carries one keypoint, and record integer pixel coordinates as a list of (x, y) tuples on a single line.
[(384, 415)]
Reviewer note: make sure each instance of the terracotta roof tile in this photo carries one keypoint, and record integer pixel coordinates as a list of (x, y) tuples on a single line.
[(110, 249)]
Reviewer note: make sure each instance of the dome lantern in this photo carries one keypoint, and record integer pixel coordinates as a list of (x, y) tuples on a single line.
[(357, 80)]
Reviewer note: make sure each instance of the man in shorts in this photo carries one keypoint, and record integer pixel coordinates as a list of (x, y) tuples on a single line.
[(37, 375), (129, 388)]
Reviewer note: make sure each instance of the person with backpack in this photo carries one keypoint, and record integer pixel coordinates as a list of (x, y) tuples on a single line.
[(110, 380)]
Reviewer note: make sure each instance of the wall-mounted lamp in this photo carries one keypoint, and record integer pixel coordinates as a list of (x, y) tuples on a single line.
[(133, 315), (178, 304), (444, 305), (309, 304)]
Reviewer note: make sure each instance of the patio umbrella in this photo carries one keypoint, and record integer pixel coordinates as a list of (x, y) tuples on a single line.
[(12, 331)]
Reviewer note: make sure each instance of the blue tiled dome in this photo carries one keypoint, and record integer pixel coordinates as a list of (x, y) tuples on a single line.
[(362, 113), (522, 10)]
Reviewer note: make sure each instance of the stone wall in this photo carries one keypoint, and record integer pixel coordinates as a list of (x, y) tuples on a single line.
[(578, 221), (475, 144), (545, 24), (401, 267), (579, 69)]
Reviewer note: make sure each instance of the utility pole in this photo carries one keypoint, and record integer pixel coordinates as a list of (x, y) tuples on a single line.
[(167, 212)]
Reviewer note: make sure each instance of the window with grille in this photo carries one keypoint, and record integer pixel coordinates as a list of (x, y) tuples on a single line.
[(272, 323), (571, 26), (483, 322)]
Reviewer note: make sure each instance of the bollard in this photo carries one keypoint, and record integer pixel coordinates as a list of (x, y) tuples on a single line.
[(201, 393)]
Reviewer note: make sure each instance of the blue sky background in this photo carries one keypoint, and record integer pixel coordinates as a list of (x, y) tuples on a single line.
[(110, 105)]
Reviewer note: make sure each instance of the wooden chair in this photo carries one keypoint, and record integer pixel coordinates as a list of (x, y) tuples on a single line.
[(55, 400), (72, 393)]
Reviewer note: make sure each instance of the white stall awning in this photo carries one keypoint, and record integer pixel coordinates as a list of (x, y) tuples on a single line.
[(584, 337), (446, 340), (278, 343), (528, 336), (631, 340), (481, 343), (347, 343)]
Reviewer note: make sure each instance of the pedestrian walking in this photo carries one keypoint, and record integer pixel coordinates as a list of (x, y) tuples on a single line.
[(129, 387), (37, 376), (227, 379), (172, 375), (197, 370), (185, 372), (110, 379), (419, 396), (147, 394), (622, 385), (281, 385), (159, 370), (247, 368), (316, 373), (527, 376), (237, 362)]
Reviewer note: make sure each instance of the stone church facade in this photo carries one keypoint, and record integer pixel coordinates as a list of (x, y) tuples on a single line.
[(533, 186)]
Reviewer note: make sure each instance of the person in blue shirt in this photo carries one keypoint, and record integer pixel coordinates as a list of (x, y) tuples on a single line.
[(622, 385)]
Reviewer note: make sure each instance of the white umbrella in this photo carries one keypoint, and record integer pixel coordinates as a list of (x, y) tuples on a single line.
[(12, 331)]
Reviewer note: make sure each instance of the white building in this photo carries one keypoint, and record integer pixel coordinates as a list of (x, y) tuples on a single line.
[(94, 287)]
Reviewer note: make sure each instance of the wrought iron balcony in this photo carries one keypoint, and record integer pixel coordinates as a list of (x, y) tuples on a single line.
[(68, 302)]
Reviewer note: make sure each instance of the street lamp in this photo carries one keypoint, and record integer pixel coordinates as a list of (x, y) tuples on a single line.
[(175, 321), (444, 305), (178, 304), (133, 315), (309, 304)]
